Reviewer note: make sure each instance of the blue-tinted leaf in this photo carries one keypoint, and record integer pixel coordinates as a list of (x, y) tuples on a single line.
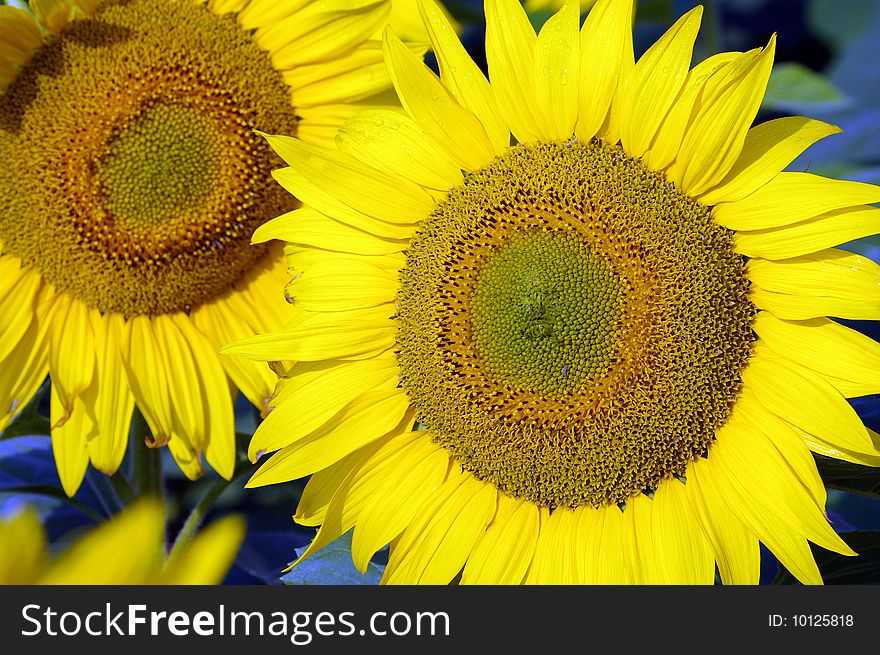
[(794, 87), (332, 566)]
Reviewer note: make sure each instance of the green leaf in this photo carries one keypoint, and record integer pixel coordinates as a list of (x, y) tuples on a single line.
[(332, 565), (793, 86), (29, 421), (855, 478), (839, 569)]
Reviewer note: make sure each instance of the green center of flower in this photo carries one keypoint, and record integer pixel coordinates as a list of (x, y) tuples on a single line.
[(132, 175), (571, 327), (545, 312), (159, 166)]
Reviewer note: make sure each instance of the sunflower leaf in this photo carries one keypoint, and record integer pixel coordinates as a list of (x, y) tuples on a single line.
[(332, 565), (845, 476), (793, 86), (29, 421)]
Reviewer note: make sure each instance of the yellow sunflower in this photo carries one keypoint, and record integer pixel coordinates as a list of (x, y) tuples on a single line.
[(128, 549), (131, 180), (598, 355)]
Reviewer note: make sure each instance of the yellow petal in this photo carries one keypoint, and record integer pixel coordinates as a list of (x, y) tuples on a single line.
[(830, 272), (824, 346), (651, 87), (557, 74), (683, 554), (419, 471), (715, 138), (216, 402), (808, 236), (556, 560), (445, 542), (601, 542), (803, 398), (510, 55), (665, 147), (24, 550), (19, 36), (737, 551), (310, 227), (110, 396), (337, 183), (147, 378), (792, 197), (321, 31), (208, 557), (367, 418), (604, 35), (325, 394), (69, 441), (462, 76), (19, 294), (768, 148), (434, 109), (71, 352), (255, 379), (340, 284), (125, 550), (326, 336), (756, 481), (405, 151), (504, 552)]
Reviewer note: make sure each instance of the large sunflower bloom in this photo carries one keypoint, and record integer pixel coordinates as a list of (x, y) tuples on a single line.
[(127, 549), (131, 180), (601, 355)]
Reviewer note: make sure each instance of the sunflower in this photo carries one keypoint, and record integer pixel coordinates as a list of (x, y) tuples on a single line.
[(128, 549), (131, 182), (596, 352)]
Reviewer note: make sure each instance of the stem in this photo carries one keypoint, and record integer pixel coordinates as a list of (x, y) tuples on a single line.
[(197, 515), (146, 462)]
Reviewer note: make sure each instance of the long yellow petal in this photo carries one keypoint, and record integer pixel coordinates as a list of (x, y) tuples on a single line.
[(365, 419), (557, 74), (736, 550), (682, 552), (717, 134), (19, 294), (803, 398), (452, 528), (434, 109), (824, 346), (462, 76), (767, 149), (665, 147), (650, 89), (110, 395), (324, 395), (812, 235), (335, 182), (254, 379), (309, 227), (146, 376), (603, 560), (19, 36), (510, 56), (69, 441), (406, 150), (217, 419), (388, 513), (604, 36), (24, 550), (98, 559), (504, 552), (339, 285), (556, 560), (321, 31), (792, 197), (71, 352)]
